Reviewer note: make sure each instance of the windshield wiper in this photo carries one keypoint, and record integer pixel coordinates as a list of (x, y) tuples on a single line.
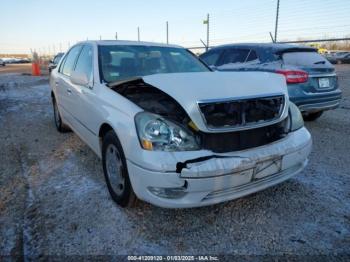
[(320, 62)]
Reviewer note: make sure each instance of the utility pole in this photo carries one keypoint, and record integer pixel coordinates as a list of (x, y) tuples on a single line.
[(276, 24), (167, 32), (100, 37), (206, 22), (116, 36), (138, 34)]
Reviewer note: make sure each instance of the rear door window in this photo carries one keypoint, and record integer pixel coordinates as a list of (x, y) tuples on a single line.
[(304, 59), (233, 55)]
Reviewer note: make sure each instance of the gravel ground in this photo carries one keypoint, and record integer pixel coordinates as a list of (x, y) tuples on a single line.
[(53, 198)]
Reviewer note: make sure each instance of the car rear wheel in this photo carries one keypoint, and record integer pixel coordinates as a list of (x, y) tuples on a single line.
[(60, 126), (312, 116), (115, 171)]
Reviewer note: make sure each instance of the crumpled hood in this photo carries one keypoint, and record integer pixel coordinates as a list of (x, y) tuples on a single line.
[(189, 88)]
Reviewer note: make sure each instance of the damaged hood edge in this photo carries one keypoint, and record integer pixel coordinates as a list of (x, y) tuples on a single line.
[(190, 88)]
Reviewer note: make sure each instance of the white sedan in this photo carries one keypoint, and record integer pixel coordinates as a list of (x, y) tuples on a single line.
[(172, 132)]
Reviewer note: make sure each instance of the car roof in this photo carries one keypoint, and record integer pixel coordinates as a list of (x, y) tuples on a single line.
[(275, 47), (127, 42)]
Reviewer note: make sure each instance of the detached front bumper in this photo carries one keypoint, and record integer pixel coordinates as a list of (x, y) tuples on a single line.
[(217, 178)]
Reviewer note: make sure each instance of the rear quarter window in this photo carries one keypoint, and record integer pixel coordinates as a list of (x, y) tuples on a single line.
[(304, 59)]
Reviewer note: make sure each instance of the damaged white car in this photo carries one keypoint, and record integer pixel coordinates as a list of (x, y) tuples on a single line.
[(172, 132)]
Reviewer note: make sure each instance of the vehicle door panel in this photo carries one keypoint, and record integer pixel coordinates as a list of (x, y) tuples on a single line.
[(86, 100), (70, 100), (67, 96)]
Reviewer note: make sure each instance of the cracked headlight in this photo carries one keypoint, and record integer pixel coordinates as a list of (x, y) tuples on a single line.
[(159, 134), (296, 119)]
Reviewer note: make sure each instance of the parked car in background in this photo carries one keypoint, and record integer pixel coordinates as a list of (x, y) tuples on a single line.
[(2, 62), (331, 58), (14, 60), (344, 59), (311, 79), (341, 54), (171, 131), (8, 60), (54, 62), (338, 57), (23, 61)]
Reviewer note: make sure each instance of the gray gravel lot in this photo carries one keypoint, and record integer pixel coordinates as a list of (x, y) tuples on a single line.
[(54, 201)]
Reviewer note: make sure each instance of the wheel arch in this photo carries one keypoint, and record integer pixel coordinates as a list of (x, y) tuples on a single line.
[(103, 130)]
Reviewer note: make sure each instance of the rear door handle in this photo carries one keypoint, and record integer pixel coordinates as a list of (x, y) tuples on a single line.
[(69, 91)]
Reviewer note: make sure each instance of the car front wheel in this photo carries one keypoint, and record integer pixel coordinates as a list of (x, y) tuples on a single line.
[(115, 171), (312, 116)]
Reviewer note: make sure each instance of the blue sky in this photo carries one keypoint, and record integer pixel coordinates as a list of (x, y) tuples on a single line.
[(51, 25)]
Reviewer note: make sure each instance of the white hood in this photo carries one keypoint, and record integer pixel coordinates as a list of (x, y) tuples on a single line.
[(189, 88)]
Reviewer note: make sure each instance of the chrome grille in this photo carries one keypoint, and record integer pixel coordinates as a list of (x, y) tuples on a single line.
[(242, 113)]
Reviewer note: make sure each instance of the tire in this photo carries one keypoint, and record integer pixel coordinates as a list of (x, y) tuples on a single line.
[(60, 126), (116, 172), (312, 116)]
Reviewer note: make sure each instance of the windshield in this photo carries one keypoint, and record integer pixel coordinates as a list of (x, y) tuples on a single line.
[(304, 59), (120, 62)]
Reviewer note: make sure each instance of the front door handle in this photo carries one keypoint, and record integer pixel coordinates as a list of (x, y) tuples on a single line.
[(69, 91)]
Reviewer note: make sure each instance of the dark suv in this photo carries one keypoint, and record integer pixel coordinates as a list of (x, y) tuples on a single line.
[(311, 79)]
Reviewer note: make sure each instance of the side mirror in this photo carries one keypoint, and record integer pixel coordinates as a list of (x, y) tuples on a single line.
[(79, 78)]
